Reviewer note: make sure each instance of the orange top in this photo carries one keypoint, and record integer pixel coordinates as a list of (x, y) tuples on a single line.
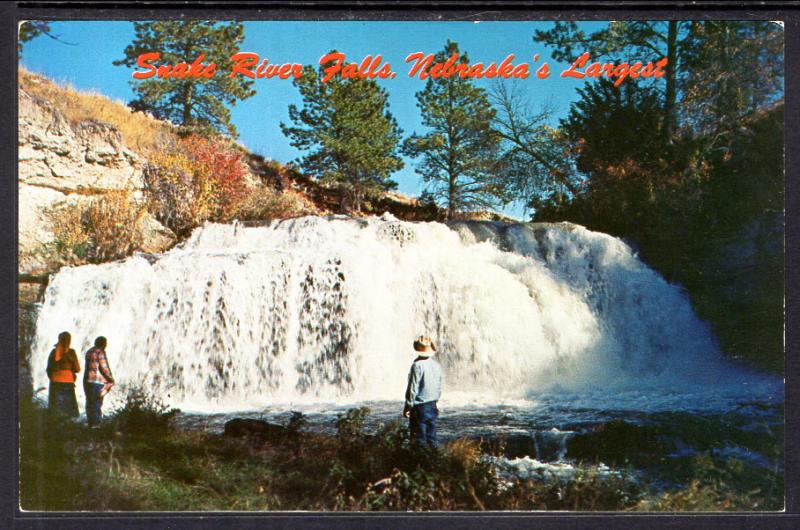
[(63, 376), (61, 368)]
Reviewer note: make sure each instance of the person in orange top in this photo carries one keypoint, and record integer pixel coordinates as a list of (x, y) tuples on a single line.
[(62, 365)]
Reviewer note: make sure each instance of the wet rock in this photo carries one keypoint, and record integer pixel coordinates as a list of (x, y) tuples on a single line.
[(239, 427), (516, 445), (617, 442), (394, 231), (519, 445)]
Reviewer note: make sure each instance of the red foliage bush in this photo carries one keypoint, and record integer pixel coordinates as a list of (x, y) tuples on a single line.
[(196, 179), (223, 167)]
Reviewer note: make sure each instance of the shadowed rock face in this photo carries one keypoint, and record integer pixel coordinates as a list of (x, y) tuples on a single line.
[(740, 290), (60, 162)]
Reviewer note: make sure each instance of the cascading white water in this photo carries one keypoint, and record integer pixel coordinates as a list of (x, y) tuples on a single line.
[(325, 309)]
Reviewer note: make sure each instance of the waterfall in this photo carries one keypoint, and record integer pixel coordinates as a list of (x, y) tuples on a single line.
[(325, 310)]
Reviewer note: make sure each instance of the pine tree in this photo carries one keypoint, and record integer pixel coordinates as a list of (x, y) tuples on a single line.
[(194, 103), (731, 69), (350, 138), (29, 30), (629, 40), (617, 139), (459, 152), (717, 70)]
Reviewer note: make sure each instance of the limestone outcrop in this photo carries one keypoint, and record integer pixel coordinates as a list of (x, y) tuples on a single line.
[(63, 162)]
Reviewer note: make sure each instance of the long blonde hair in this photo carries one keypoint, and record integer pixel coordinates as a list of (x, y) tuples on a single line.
[(62, 347)]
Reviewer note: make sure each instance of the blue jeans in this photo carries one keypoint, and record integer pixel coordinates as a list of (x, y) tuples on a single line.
[(422, 422), (94, 403)]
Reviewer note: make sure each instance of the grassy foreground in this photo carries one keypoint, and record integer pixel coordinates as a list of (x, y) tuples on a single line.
[(139, 460)]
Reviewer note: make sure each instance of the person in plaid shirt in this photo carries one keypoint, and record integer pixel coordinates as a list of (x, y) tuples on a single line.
[(97, 379)]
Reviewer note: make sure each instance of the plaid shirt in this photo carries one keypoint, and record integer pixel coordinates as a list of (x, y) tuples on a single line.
[(97, 370)]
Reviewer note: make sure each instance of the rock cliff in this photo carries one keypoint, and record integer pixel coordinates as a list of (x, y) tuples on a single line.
[(63, 162)]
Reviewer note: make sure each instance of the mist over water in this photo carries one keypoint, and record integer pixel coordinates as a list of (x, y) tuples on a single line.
[(324, 310)]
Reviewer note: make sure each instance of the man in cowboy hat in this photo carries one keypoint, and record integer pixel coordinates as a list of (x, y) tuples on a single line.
[(424, 390)]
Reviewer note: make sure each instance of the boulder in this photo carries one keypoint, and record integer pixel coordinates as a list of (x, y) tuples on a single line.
[(512, 445), (155, 236), (617, 442), (239, 427)]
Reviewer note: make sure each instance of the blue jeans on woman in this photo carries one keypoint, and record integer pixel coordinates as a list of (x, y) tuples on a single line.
[(62, 399), (422, 422), (94, 403)]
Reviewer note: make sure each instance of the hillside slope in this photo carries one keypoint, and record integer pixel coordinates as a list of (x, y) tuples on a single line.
[(67, 162), (75, 146)]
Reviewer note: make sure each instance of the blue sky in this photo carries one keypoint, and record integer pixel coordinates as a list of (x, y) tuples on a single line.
[(87, 65)]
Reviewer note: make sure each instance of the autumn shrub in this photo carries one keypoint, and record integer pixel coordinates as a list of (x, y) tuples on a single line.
[(143, 414), (193, 180), (385, 470), (223, 167), (264, 204), (100, 229), (722, 484), (112, 223), (588, 490), (70, 241)]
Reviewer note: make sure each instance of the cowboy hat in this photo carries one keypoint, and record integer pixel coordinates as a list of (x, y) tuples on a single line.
[(424, 344)]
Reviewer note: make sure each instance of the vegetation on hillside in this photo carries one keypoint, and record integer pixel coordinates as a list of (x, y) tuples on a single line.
[(102, 229), (190, 178), (195, 179), (140, 132)]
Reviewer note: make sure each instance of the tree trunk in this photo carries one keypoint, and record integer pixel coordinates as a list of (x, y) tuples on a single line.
[(451, 199), (670, 118), (358, 192), (187, 103)]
